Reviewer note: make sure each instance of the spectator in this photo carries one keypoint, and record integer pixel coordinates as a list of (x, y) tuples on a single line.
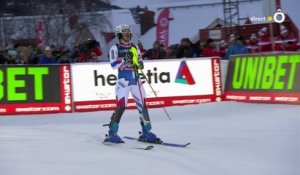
[(3, 56), (223, 48), (86, 50), (35, 55), (264, 41), (93, 57), (186, 49), (209, 49), (75, 55), (64, 58), (57, 51), (286, 41), (171, 51), (24, 54), (231, 39), (253, 44), (236, 48), (157, 52), (95, 51), (13, 57), (141, 47), (48, 57)]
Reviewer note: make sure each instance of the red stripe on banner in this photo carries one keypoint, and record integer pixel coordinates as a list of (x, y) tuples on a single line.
[(162, 28), (65, 88), (267, 97), (216, 78), (31, 108), (151, 102)]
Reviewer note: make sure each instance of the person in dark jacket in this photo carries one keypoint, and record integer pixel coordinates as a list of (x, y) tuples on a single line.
[(186, 49), (13, 57), (64, 58), (157, 52), (47, 57)]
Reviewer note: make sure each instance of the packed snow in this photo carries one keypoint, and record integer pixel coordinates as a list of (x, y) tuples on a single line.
[(227, 138)]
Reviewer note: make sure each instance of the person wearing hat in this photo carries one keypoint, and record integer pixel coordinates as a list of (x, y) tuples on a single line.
[(237, 48), (48, 57), (286, 41), (252, 44), (13, 57), (264, 41)]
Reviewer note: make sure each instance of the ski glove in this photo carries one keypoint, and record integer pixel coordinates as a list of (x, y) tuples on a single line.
[(128, 57), (141, 65)]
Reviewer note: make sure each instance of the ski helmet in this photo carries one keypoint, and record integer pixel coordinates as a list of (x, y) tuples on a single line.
[(123, 28)]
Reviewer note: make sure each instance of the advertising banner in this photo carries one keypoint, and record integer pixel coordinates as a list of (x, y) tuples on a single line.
[(29, 89), (176, 82), (270, 78), (162, 28)]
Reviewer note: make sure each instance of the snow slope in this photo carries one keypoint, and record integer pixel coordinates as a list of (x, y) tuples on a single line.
[(228, 138)]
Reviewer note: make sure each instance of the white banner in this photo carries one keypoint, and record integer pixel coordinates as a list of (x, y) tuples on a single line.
[(169, 78)]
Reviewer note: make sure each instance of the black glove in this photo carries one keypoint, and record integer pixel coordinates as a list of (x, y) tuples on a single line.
[(128, 57), (141, 65)]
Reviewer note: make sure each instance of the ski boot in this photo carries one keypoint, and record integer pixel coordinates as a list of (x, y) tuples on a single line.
[(147, 136), (113, 138)]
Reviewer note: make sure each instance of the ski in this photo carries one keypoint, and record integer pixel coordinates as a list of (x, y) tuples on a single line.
[(149, 147), (163, 143), (145, 148)]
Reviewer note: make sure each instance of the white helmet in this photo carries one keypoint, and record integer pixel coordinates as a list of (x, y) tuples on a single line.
[(123, 28)]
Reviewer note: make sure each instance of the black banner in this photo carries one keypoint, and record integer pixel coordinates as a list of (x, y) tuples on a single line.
[(29, 84)]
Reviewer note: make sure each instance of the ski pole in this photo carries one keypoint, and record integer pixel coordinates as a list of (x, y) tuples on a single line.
[(137, 67), (167, 114)]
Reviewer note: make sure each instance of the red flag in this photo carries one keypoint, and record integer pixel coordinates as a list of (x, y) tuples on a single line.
[(162, 28), (40, 33)]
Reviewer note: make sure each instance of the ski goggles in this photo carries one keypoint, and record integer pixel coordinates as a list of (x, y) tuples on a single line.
[(126, 31)]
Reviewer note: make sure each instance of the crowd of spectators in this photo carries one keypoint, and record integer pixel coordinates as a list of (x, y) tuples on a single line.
[(90, 50), (256, 43)]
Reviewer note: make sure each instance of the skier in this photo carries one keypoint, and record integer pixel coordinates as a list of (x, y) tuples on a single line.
[(125, 56)]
